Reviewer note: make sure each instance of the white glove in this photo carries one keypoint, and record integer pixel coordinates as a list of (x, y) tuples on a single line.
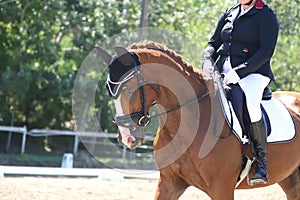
[(231, 77), (207, 67)]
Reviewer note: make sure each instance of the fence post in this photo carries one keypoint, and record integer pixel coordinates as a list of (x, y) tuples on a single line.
[(124, 152), (76, 142), (24, 140)]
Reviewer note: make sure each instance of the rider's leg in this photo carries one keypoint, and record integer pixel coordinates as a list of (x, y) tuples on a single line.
[(253, 86)]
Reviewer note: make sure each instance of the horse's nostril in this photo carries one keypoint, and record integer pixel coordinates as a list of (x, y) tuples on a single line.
[(131, 140)]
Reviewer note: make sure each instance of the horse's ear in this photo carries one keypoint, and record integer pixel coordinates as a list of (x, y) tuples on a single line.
[(124, 56), (121, 50), (106, 56)]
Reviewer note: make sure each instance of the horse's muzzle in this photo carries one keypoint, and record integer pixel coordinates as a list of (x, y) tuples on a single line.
[(137, 142), (131, 141)]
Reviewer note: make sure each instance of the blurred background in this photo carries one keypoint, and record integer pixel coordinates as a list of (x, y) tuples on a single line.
[(44, 42)]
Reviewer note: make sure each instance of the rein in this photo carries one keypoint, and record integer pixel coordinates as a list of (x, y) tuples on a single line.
[(197, 99)]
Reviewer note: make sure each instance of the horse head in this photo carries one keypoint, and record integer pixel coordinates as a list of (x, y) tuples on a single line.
[(127, 86)]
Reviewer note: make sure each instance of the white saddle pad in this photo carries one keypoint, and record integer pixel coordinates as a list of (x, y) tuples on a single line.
[(282, 123)]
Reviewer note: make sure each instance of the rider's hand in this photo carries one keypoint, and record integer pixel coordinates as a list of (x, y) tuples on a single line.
[(207, 67), (231, 77)]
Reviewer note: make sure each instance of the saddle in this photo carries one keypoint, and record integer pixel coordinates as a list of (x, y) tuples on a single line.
[(279, 122)]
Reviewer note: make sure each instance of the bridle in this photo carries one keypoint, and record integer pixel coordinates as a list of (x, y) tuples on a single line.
[(142, 118)]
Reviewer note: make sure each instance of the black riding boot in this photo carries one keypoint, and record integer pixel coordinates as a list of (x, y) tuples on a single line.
[(259, 140)]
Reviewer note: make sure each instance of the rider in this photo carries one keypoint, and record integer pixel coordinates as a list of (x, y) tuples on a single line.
[(242, 45)]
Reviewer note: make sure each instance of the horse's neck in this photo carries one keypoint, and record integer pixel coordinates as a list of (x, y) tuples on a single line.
[(178, 85), (175, 76), (199, 124), (183, 127), (186, 94)]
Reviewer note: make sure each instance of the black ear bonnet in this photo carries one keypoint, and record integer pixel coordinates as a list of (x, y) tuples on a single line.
[(121, 70)]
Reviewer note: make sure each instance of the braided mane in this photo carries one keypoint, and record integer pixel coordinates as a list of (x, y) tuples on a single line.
[(173, 54)]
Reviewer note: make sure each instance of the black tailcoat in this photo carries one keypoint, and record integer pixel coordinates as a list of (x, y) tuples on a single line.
[(249, 39)]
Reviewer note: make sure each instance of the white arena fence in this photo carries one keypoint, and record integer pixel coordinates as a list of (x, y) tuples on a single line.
[(103, 174), (44, 132)]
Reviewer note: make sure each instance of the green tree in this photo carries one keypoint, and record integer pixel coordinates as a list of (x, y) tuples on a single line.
[(286, 59), (43, 44)]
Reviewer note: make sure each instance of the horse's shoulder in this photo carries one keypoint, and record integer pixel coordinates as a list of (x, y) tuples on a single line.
[(283, 94)]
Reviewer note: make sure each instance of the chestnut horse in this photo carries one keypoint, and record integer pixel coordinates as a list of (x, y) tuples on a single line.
[(193, 146)]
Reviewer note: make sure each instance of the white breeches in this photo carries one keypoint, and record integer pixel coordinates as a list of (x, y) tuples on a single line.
[(253, 86)]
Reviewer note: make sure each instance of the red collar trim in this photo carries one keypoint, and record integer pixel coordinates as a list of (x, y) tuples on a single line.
[(259, 4)]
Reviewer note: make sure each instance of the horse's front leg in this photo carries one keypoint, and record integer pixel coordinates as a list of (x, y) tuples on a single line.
[(170, 188)]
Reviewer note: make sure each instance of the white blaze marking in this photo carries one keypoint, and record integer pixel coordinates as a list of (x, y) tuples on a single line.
[(118, 106), (127, 138)]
